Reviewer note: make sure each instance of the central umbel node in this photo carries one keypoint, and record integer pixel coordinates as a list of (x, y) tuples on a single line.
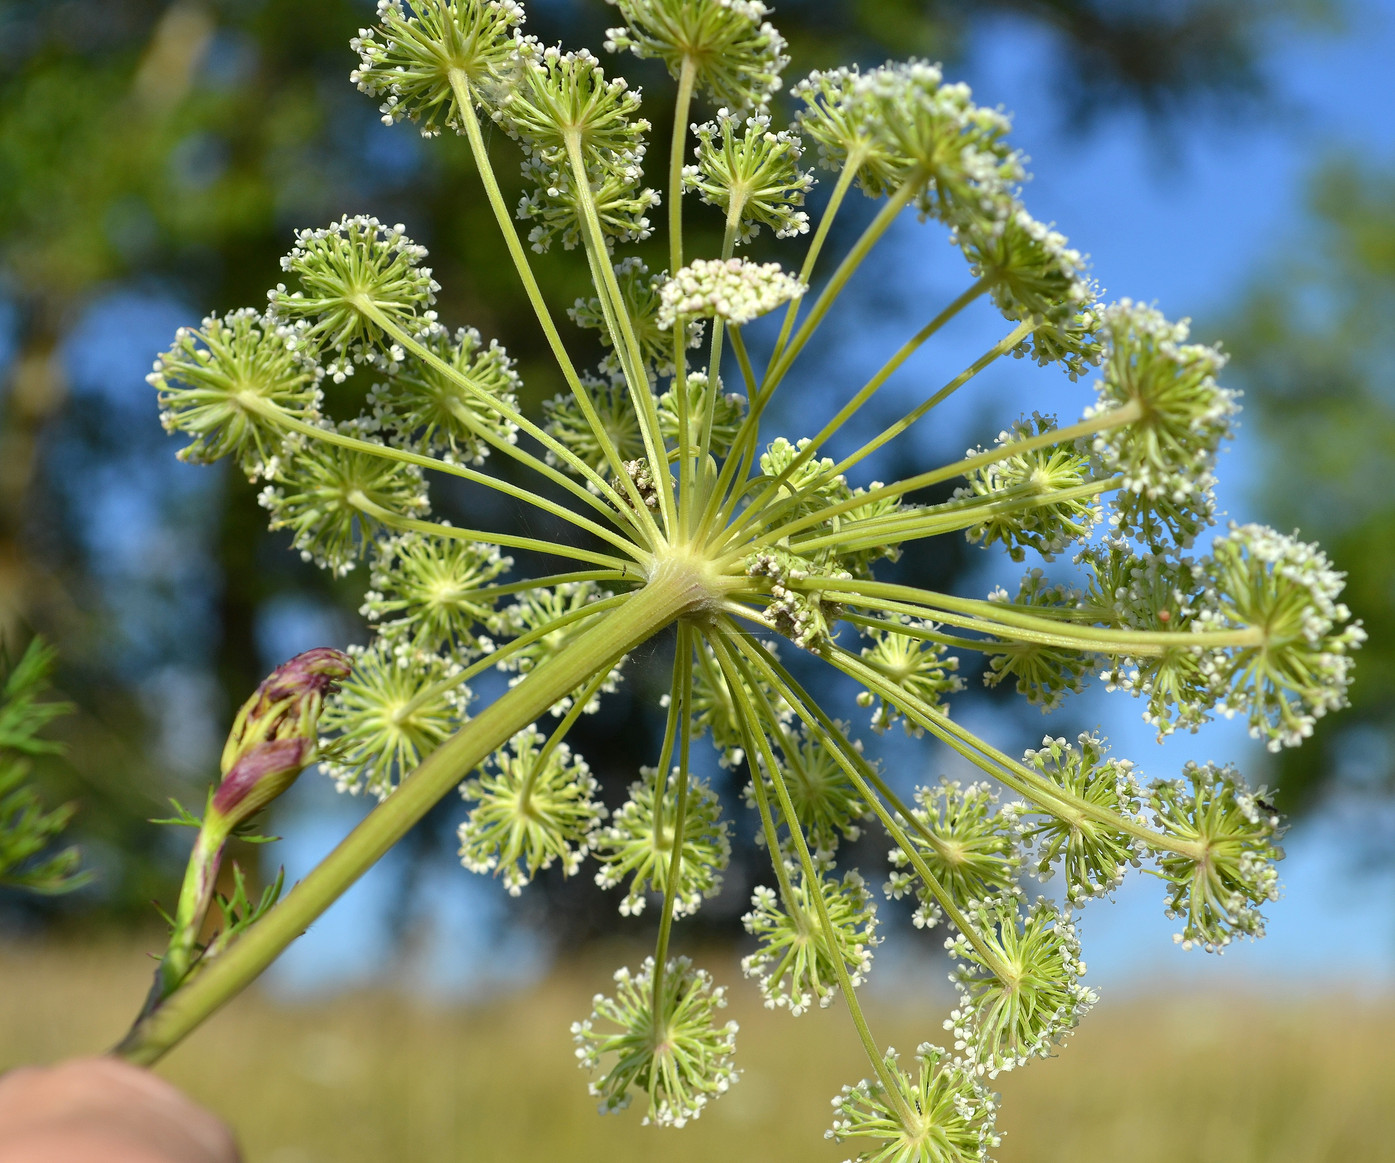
[(690, 567)]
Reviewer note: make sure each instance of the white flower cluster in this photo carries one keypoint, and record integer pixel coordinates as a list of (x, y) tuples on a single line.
[(734, 290), (1166, 456)]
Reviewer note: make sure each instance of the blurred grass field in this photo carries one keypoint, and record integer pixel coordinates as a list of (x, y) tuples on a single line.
[(381, 1076)]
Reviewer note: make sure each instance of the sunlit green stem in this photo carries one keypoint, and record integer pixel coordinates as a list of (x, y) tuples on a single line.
[(672, 589), (950, 517), (865, 393), (564, 454), (714, 356), (622, 332), (687, 75), (851, 164), (795, 697), (680, 705), (749, 730), (766, 714), (387, 452), (465, 101), (195, 895), (1002, 617), (509, 540), (574, 712), (1114, 418), (1016, 775), (889, 433), (500, 655), (846, 269)]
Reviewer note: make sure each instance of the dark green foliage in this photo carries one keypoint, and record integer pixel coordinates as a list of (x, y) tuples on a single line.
[(27, 830)]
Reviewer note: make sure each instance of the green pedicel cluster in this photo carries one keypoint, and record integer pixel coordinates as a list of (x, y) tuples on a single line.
[(676, 501)]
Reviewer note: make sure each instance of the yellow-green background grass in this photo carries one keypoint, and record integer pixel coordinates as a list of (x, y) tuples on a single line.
[(1181, 1077)]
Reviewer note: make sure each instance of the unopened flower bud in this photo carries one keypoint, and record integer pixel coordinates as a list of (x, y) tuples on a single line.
[(273, 738), (259, 776), (287, 703)]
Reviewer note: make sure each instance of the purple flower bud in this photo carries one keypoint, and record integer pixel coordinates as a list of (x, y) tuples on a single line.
[(273, 738), (260, 775), (287, 703)]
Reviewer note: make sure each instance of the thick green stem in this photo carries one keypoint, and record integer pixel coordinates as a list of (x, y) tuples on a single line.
[(195, 895), (671, 591)]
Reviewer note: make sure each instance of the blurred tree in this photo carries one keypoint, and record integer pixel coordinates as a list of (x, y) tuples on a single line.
[(154, 157), (1314, 340)]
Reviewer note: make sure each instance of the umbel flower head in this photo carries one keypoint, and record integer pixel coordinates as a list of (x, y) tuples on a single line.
[(1019, 984), (639, 841), (534, 806), (794, 961), (1300, 667), (432, 597), (443, 407), (415, 59), (971, 847), (940, 1113), (752, 173), (733, 54), (1225, 873), (392, 713), (1093, 853), (648, 506), (827, 805), (643, 303), (355, 277), (230, 384), (735, 290), (663, 1040)]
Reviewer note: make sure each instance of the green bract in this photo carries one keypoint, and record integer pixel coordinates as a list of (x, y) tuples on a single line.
[(649, 506)]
